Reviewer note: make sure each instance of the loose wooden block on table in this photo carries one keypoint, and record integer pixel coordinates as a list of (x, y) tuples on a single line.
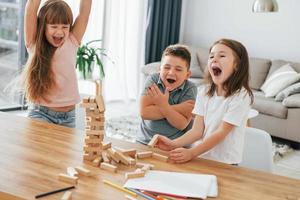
[(160, 157), (67, 196), (83, 171), (67, 178), (144, 154), (109, 167)]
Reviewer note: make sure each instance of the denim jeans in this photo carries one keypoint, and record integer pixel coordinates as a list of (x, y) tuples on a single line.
[(45, 114)]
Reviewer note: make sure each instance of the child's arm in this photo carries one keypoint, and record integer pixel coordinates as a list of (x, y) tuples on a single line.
[(30, 21), (149, 111), (82, 19), (188, 138), (181, 155), (161, 100)]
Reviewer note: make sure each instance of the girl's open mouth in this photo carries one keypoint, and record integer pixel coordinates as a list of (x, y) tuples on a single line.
[(216, 71), (57, 40)]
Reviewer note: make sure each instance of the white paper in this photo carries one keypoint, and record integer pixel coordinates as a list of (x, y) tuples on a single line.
[(181, 184)]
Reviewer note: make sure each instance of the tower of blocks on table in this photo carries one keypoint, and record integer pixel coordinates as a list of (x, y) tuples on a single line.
[(102, 154), (94, 127)]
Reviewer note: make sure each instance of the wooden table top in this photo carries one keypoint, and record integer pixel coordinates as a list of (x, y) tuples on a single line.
[(34, 153)]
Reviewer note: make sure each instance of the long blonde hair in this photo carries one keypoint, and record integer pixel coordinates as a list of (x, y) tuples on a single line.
[(38, 76)]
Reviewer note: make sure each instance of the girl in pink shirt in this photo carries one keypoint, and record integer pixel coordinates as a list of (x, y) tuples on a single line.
[(52, 39)]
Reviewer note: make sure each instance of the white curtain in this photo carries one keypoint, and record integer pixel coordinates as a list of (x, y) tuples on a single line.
[(124, 36), (121, 26)]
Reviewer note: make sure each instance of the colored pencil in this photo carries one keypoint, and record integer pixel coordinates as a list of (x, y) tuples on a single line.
[(120, 188), (141, 194)]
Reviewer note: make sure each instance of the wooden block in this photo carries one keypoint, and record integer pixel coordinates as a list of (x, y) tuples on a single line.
[(122, 158), (67, 196), (93, 141), (95, 123), (153, 141), (129, 152), (89, 157), (88, 105), (160, 157), (111, 152), (105, 158), (145, 154), (83, 171), (132, 161), (108, 167), (141, 165), (85, 100), (96, 162), (71, 171), (100, 103), (135, 174), (89, 149), (67, 178), (106, 145), (92, 100)]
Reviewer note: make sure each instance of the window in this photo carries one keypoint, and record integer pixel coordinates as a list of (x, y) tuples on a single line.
[(12, 50)]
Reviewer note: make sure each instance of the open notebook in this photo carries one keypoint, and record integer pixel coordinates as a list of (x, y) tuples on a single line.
[(174, 183)]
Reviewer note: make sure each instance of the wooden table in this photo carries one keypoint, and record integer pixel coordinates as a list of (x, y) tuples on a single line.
[(34, 153)]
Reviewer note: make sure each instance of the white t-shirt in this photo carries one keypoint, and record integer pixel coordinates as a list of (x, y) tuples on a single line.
[(234, 110)]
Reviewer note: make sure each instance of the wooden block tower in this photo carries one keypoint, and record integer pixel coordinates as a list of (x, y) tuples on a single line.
[(94, 126)]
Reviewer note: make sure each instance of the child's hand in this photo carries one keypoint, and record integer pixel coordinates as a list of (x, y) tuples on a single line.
[(165, 143), (181, 155), (158, 97)]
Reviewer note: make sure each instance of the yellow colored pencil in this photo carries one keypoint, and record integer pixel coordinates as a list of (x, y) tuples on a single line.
[(119, 188)]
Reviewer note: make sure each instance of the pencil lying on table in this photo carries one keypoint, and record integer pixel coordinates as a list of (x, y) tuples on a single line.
[(54, 191)]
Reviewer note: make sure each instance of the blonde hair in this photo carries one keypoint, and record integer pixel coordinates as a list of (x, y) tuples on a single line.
[(37, 75)]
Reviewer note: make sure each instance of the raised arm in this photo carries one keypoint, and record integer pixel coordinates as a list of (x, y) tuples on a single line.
[(82, 19), (148, 110), (30, 21)]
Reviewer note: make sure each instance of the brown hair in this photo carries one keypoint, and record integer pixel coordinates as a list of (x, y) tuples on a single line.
[(38, 76), (180, 51), (240, 77)]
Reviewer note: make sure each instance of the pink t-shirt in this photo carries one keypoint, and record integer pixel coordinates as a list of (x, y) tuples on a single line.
[(63, 65)]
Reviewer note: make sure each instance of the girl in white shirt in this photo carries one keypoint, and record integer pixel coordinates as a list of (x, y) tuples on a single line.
[(221, 109)]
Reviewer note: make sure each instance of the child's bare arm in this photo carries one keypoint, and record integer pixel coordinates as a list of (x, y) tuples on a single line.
[(185, 108), (82, 19), (148, 110), (181, 155), (30, 21)]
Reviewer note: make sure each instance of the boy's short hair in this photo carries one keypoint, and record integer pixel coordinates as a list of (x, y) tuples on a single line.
[(180, 51)]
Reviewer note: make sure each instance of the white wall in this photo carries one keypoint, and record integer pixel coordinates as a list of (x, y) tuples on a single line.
[(266, 35)]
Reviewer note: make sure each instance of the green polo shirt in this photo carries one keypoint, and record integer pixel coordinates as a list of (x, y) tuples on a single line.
[(148, 128)]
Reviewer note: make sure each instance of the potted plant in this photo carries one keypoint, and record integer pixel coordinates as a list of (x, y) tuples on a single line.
[(87, 57)]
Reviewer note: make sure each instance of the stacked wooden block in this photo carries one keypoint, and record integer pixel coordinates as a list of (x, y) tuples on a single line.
[(101, 154), (94, 108)]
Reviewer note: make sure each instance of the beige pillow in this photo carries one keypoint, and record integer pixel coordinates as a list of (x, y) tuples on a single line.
[(280, 79)]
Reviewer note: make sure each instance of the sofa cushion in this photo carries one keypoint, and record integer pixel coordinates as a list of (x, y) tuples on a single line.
[(268, 106), (280, 79), (276, 64), (197, 81), (151, 68), (202, 56), (258, 69), (292, 101), (195, 65), (292, 89)]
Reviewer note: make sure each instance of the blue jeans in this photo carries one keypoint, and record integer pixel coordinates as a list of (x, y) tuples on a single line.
[(45, 114)]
